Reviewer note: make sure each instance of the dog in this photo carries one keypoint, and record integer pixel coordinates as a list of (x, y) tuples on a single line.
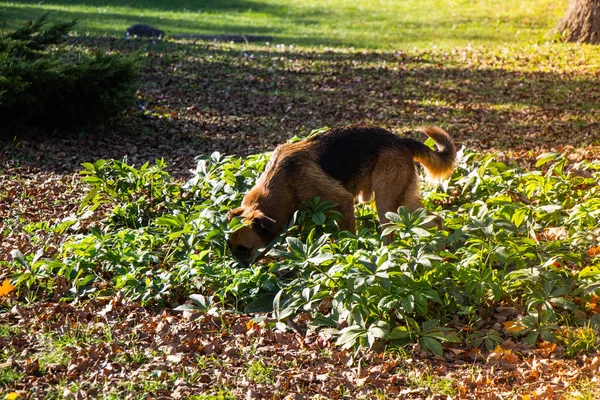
[(340, 165)]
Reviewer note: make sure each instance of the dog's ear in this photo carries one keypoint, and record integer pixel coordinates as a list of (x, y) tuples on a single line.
[(264, 226), (236, 212)]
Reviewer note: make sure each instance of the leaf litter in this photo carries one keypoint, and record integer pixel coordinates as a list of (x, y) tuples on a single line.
[(198, 97), (117, 346)]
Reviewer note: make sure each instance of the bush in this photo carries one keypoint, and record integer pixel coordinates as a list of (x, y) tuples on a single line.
[(47, 87)]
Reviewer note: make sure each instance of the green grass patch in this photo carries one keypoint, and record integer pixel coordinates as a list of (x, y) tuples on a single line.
[(54, 355), (584, 389), (342, 23), (260, 373), (220, 394), (583, 339), (9, 375), (6, 330), (437, 384)]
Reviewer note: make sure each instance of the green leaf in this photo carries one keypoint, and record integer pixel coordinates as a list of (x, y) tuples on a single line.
[(432, 345), (296, 245), (323, 321), (589, 272), (551, 208), (545, 158), (320, 258), (200, 301), (263, 303), (185, 307), (400, 332), (17, 255), (564, 303), (319, 218), (430, 325), (519, 216), (379, 329), (531, 338), (393, 217), (349, 336)]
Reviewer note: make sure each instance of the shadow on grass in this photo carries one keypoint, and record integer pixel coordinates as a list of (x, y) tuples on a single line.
[(216, 6), (304, 26), (277, 94), (113, 23), (196, 98)]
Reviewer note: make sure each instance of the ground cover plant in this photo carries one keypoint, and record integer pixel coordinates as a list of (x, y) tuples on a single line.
[(521, 241), (100, 260), (515, 238)]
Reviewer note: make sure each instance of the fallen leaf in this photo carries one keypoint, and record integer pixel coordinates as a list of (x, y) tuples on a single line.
[(593, 304), (514, 327), (544, 349), (6, 288), (176, 359), (250, 324)]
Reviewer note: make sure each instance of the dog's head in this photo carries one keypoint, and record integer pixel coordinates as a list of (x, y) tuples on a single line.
[(257, 232)]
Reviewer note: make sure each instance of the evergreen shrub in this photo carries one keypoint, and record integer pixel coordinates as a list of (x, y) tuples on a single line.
[(46, 86)]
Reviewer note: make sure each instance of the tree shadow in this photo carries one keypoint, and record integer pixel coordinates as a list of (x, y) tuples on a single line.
[(114, 23), (179, 5), (196, 98), (529, 109)]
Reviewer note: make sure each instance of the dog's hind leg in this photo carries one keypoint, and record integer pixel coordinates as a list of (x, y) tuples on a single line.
[(395, 183)]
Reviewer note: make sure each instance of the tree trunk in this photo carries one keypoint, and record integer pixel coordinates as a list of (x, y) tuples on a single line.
[(581, 22)]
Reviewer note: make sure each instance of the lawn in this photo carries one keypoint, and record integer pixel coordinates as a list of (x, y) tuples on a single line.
[(342, 23), (504, 301)]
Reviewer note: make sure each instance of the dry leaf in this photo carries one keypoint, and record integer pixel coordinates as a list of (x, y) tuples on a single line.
[(593, 304), (544, 349), (249, 325), (6, 288), (514, 327), (594, 251)]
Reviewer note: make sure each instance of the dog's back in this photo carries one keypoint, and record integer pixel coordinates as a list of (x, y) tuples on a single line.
[(349, 153), (346, 153)]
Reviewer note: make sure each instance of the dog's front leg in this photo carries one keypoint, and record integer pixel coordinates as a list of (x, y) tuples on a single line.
[(348, 222)]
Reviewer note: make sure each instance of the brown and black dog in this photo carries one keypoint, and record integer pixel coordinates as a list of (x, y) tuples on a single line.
[(339, 165)]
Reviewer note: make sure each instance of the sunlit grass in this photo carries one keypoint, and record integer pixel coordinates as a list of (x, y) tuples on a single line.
[(383, 24)]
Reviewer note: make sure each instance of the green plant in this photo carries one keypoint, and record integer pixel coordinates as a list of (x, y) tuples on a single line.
[(46, 89), (513, 237), (579, 340), (259, 373), (9, 375)]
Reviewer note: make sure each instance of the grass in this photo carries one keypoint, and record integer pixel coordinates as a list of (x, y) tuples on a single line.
[(424, 379), (221, 394), (260, 373), (584, 389), (579, 340), (9, 376), (55, 352), (370, 24), (6, 330)]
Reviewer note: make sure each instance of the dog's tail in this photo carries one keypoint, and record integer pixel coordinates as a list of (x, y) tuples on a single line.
[(439, 164)]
